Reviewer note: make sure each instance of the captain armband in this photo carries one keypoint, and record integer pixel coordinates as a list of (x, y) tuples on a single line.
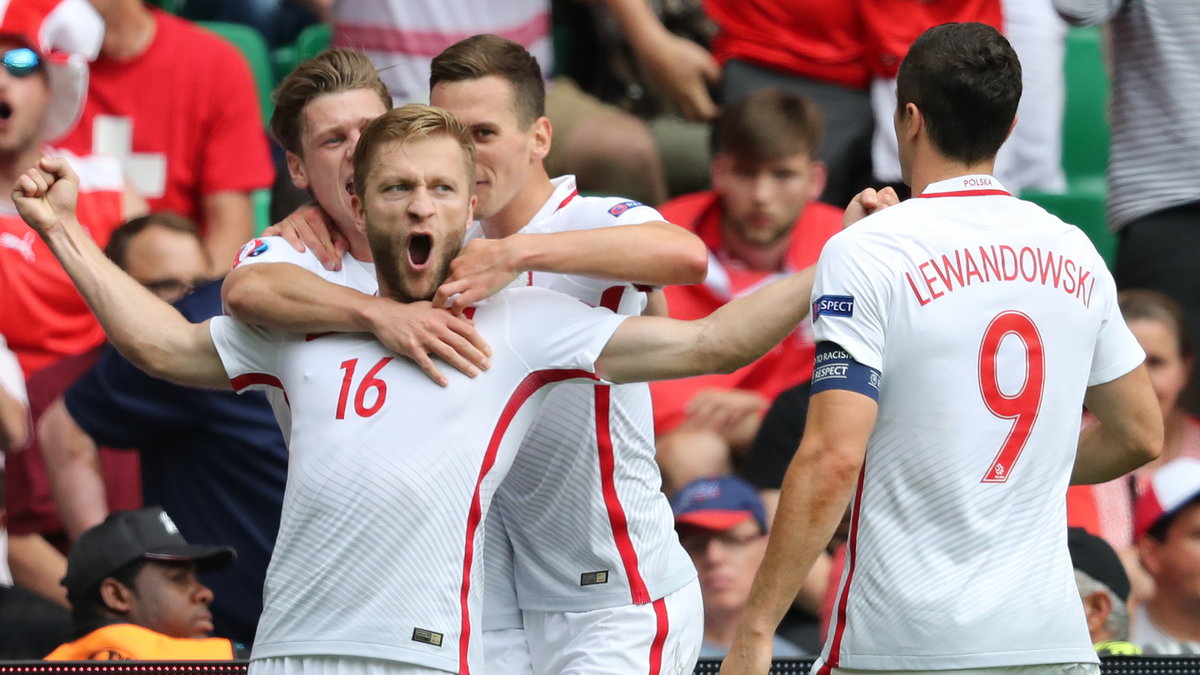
[(836, 369)]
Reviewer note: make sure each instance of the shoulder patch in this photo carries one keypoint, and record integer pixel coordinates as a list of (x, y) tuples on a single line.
[(623, 207), (255, 247), (833, 305)]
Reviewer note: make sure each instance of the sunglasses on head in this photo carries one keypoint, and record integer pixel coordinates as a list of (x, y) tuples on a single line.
[(21, 62)]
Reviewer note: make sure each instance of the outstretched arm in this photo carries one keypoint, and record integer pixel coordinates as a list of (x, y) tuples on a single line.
[(73, 468), (656, 253), (819, 483), (654, 348), (151, 333)]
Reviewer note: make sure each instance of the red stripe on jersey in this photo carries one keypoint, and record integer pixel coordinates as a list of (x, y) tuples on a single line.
[(835, 646), (469, 312), (566, 201), (638, 592), (528, 387), (660, 635), (313, 336), (611, 297), (967, 193), (241, 382)]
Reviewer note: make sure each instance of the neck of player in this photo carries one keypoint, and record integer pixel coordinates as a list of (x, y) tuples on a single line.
[(128, 31), (930, 167), (521, 209)]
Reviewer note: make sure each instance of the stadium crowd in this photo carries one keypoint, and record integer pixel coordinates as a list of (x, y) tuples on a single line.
[(679, 169)]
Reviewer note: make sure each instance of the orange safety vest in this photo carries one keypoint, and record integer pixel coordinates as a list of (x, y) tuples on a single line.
[(127, 642)]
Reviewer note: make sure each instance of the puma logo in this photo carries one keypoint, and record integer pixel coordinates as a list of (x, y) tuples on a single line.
[(22, 245)]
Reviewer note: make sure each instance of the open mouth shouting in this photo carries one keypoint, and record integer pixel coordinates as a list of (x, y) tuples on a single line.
[(419, 248), (6, 110)]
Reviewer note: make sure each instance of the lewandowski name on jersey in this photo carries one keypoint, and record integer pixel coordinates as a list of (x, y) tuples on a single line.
[(999, 263)]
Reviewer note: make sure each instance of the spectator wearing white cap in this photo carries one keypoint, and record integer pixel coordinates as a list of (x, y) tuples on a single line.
[(723, 526), (1167, 528)]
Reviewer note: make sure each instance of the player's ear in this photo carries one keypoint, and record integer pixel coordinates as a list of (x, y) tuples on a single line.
[(471, 209), (296, 170), (1147, 548), (720, 170), (542, 137), (360, 212), (820, 176)]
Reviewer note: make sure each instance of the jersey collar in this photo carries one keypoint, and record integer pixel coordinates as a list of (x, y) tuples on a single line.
[(564, 191), (972, 185)]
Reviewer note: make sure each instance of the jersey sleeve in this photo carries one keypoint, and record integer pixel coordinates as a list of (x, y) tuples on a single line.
[(277, 250), (850, 300), (249, 353), (1117, 351), (559, 332)]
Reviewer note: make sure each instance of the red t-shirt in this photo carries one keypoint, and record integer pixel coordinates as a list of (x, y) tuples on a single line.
[(816, 39), (42, 316), (190, 105), (787, 364), (892, 25)]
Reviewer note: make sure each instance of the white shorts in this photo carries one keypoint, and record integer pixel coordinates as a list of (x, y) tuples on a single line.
[(335, 665), (1055, 669), (505, 652), (660, 638)]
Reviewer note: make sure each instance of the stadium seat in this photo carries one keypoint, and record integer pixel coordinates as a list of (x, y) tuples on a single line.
[(254, 47), (1085, 138), (308, 44)]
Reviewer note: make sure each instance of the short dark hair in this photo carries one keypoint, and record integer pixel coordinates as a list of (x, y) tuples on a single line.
[(1158, 531), (332, 71), (482, 55), (965, 79), (409, 122), (88, 608), (117, 249), (770, 124), (1147, 305)]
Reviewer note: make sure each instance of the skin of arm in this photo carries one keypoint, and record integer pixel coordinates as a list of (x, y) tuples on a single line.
[(14, 422), (228, 223), (289, 297), (1128, 431), (73, 469), (38, 566), (819, 483), (653, 348), (684, 68), (657, 253), (153, 335)]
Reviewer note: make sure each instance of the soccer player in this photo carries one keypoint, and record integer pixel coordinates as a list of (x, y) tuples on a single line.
[(958, 335), (391, 476)]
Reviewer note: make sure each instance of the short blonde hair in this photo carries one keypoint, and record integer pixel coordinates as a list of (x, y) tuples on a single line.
[(410, 122)]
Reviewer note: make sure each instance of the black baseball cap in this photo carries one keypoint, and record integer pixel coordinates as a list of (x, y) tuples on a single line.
[(1093, 556), (126, 536)]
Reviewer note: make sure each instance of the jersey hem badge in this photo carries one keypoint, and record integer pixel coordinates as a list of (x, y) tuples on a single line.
[(833, 305), (623, 207)]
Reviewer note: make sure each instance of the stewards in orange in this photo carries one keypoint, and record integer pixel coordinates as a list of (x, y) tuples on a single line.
[(132, 583)]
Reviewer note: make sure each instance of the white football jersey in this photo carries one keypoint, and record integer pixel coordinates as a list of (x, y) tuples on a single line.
[(988, 318), (583, 505), (391, 476)]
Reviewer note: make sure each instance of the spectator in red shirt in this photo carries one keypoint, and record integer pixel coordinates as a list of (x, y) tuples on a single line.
[(178, 107), (761, 220)]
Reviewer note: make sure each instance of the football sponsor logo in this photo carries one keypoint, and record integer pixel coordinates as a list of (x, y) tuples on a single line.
[(623, 207), (833, 305)]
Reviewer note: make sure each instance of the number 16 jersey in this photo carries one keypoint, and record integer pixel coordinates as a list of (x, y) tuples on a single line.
[(987, 318)]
